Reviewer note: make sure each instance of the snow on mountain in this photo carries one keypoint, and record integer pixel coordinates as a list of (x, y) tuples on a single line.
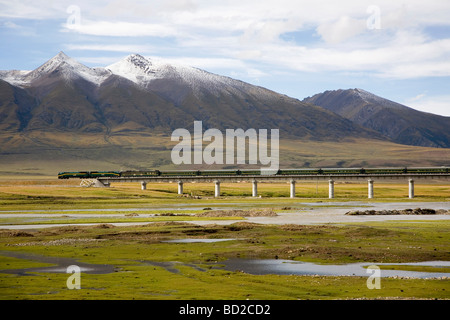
[(136, 68), (143, 71), (15, 77), (68, 67)]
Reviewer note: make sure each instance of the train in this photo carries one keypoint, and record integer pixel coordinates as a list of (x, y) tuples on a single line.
[(251, 172)]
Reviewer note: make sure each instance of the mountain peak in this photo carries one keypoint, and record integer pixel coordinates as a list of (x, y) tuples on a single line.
[(69, 68), (134, 67), (371, 98), (61, 55), (137, 58), (360, 91), (55, 62), (365, 95)]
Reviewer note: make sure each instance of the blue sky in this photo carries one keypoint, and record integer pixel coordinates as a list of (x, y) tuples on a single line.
[(399, 50)]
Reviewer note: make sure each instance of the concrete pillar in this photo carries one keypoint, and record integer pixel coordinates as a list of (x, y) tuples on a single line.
[(370, 189), (411, 189), (143, 185), (330, 189), (180, 187), (254, 188), (292, 188), (217, 188), (101, 184)]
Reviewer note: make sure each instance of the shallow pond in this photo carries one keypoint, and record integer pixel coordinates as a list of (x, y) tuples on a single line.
[(290, 267), (196, 240), (60, 264)]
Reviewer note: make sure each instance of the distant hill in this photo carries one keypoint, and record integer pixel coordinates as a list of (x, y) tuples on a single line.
[(398, 122)]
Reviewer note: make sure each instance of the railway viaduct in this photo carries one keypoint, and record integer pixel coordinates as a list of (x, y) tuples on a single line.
[(408, 178)]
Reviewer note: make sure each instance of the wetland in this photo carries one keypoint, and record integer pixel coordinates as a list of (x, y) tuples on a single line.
[(134, 244)]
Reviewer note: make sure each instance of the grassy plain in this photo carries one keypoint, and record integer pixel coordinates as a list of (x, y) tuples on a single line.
[(48, 194), (147, 268), (90, 152)]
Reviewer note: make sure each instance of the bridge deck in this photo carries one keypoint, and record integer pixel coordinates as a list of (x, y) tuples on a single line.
[(310, 177)]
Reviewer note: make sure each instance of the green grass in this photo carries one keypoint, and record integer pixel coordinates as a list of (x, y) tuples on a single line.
[(58, 195), (415, 268), (128, 248)]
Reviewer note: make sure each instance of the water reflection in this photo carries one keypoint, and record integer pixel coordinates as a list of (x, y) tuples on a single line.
[(60, 264), (290, 267)]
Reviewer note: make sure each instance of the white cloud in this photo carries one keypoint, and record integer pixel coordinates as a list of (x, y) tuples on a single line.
[(402, 55), (101, 61), (123, 29), (342, 29), (127, 48), (18, 29), (433, 104), (416, 98), (232, 30), (209, 63)]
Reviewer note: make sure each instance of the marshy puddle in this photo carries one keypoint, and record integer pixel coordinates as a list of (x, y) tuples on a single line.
[(196, 240), (290, 267), (170, 266), (61, 264)]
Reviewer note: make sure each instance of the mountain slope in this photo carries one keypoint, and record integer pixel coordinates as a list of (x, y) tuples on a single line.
[(141, 95), (15, 106), (400, 123)]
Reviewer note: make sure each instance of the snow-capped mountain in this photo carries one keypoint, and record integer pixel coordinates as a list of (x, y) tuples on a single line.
[(138, 94), (136, 68), (145, 71), (69, 68)]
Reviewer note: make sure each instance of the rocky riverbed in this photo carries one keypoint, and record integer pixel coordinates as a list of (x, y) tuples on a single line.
[(417, 211)]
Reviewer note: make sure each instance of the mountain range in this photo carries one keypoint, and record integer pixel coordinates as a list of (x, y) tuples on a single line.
[(141, 95), (127, 111)]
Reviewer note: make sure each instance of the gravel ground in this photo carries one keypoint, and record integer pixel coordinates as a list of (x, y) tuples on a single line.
[(321, 213)]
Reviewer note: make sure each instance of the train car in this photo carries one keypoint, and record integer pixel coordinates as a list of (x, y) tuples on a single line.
[(255, 172), (219, 172), (385, 170), (69, 175), (99, 174), (341, 170), (130, 173), (426, 170), (288, 172), (175, 173)]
